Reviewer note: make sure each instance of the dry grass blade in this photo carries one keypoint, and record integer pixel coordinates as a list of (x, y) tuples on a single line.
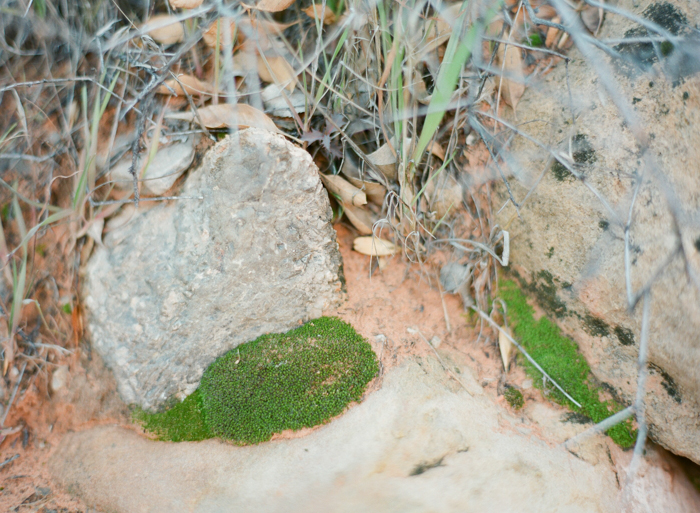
[(165, 29), (184, 85), (374, 246), (227, 115)]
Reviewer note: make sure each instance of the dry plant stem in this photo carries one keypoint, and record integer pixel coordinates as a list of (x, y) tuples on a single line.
[(601, 427), (12, 397), (493, 324), (639, 406), (449, 372)]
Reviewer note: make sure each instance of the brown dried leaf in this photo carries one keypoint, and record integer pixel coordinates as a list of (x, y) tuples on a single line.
[(348, 193), (374, 191), (506, 346), (360, 218), (210, 35), (385, 160), (552, 33), (277, 71), (185, 4), (165, 29), (226, 115), (373, 246), (270, 5), (185, 84), (592, 18), (321, 13), (511, 59)]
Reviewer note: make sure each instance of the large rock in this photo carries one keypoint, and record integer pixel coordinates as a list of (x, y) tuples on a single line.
[(418, 444), (178, 285), (570, 248)]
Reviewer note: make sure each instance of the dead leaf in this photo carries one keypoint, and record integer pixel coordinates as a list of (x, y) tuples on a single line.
[(373, 246), (505, 345), (348, 193), (592, 18), (321, 13), (165, 29), (276, 104), (185, 84), (277, 71), (185, 4), (270, 5), (385, 160), (512, 86), (375, 191), (552, 33), (360, 218), (227, 115), (209, 36)]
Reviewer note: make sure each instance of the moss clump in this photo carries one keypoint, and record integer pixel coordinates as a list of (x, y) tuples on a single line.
[(277, 382), (514, 397), (184, 422), (559, 356)]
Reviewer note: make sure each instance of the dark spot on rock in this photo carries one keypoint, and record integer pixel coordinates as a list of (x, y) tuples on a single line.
[(595, 326), (575, 417), (645, 54), (686, 95), (635, 101), (566, 285), (697, 243), (584, 156), (603, 224), (651, 84), (425, 466), (668, 383), (545, 291), (550, 253), (624, 335)]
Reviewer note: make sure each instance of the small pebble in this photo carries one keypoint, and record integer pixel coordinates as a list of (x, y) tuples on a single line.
[(527, 384), (59, 378), (435, 342)]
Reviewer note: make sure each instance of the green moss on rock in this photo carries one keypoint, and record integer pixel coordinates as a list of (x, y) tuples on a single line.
[(184, 422), (559, 356), (514, 397), (277, 382)]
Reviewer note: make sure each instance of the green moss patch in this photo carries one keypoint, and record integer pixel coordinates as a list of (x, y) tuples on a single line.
[(559, 356), (514, 397), (277, 382), (184, 422)]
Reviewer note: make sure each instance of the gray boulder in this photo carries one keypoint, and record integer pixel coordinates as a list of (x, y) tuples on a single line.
[(569, 246), (179, 284)]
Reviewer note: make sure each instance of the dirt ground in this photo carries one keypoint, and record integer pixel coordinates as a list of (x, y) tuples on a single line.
[(398, 309)]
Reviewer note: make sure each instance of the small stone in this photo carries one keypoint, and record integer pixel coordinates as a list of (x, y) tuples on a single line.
[(14, 373), (527, 384), (59, 378), (435, 342)]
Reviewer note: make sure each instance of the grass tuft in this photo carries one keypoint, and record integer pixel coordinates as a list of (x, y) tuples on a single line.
[(559, 356)]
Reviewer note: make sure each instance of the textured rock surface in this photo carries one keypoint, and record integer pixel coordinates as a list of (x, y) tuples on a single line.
[(418, 444), (570, 248), (180, 284), (362, 461)]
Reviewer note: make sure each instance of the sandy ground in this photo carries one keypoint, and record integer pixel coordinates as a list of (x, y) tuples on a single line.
[(398, 309)]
